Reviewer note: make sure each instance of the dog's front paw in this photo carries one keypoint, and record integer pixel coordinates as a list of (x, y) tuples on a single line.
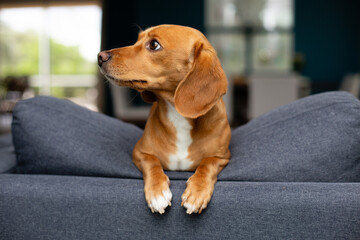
[(197, 194), (157, 193)]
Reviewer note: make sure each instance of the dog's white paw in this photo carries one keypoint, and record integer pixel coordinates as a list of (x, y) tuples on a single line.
[(190, 208), (197, 194), (160, 202), (193, 208)]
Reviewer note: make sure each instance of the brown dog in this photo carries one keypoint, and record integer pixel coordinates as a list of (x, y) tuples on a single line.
[(177, 69)]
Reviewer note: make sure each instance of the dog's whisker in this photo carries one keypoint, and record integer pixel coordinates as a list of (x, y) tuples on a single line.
[(137, 93), (138, 26)]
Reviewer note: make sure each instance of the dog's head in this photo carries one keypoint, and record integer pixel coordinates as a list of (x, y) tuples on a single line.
[(174, 62)]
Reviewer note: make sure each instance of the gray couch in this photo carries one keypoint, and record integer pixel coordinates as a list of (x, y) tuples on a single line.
[(66, 173)]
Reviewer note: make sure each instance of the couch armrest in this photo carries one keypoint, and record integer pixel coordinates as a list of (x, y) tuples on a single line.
[(64, 207), (7, 160), (7, 154)]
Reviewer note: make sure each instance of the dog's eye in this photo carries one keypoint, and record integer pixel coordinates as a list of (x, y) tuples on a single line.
[(154, 45)]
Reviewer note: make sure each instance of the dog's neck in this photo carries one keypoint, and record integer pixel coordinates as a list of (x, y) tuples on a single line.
[(165, 108), (165, 96)]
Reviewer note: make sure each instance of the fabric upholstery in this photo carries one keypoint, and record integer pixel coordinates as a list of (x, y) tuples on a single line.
[(7, 154), (312, 139), (71, 207), (53, 136)]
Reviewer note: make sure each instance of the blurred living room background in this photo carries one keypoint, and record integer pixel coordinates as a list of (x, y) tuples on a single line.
[(273, 51)]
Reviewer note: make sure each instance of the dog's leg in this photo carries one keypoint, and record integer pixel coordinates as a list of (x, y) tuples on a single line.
[(156, 184), (200, 186)]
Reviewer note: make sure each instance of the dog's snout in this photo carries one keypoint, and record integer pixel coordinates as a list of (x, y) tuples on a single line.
[(103, 57)]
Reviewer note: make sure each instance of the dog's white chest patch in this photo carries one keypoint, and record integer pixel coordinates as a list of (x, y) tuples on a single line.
[(179, 160)]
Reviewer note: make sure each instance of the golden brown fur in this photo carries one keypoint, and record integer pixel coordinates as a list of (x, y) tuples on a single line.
[(186, 73)]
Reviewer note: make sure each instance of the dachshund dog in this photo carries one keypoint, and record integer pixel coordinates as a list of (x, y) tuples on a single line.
[(176, 69)]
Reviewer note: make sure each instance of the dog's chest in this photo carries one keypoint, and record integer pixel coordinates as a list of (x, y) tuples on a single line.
[(179, 160)]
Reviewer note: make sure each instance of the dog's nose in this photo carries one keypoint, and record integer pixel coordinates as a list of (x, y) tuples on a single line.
[(103, 57)]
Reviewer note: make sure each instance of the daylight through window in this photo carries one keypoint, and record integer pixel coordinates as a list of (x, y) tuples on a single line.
[(54, 48)]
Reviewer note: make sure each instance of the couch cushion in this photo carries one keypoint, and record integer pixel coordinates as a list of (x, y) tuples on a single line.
[(71, 207), (53, 136), (313, 139)]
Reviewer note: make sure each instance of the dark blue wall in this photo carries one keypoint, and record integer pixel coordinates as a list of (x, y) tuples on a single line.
[(327, 32), (120, 18), (185, 12)]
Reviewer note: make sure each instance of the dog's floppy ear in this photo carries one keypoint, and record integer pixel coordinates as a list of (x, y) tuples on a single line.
[(148, 96), (205, 83)]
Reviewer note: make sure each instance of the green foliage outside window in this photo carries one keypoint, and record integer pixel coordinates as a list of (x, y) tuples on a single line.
[(19, 55), (68, 60)]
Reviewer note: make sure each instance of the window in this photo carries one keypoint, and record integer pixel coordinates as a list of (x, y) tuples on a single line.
[(55, 47), (251, 36)]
